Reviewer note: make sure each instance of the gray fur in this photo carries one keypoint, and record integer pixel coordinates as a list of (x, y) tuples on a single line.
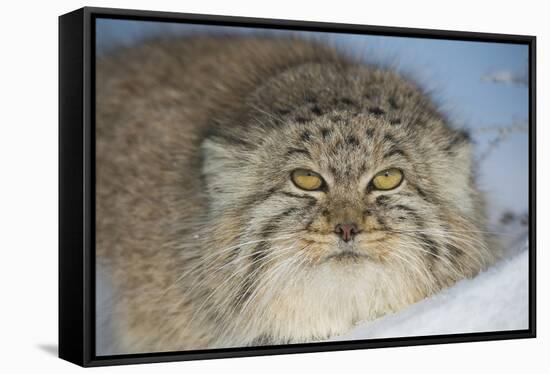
[(209, 242)]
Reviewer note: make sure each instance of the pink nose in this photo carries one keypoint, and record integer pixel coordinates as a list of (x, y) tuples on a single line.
[(346, 231)]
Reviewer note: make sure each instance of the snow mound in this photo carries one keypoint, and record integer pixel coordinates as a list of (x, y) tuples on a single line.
[(495, 300)]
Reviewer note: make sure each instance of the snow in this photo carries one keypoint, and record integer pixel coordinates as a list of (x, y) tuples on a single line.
[(495, 300)]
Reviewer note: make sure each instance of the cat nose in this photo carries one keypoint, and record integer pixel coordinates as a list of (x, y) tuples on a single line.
[(346, 231)]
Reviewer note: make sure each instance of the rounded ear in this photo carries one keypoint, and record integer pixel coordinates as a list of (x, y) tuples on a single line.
[(224, 171), (459, 178)]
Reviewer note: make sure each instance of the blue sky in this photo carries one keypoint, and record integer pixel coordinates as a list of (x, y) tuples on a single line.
[(481, 86)]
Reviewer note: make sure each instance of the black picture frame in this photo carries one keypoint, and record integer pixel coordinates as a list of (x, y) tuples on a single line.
[(77, 186)]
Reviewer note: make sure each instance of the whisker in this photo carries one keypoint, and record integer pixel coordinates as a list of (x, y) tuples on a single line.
[(480, 262), (199, 310), (251, 297), (470, 231), (219, 254)]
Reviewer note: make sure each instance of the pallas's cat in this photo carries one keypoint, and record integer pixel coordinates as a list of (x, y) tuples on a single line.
[(255, 191)]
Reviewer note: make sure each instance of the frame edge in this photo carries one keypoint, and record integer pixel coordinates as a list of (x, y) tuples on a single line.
[(71, 259), (75, 232)]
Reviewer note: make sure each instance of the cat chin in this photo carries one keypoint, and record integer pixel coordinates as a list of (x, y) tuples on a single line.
[(347, 255)]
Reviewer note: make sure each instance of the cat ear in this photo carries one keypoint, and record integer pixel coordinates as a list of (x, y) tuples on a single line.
[(459, 179), (223, 168)]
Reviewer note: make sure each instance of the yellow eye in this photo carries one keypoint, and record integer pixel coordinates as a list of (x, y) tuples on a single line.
[(306, 179), (387, 179)]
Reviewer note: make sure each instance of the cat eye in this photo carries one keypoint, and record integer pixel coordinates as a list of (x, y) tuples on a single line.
[(387, 179), (307, 180)]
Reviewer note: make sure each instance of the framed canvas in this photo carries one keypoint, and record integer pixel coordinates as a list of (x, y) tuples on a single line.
[(235, 186)]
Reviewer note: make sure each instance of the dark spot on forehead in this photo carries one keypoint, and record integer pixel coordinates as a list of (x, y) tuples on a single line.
[(370, 133), (352, 140), (395, 121), (325, 133), (306, 136)]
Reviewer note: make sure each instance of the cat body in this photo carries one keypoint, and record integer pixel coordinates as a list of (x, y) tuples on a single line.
[(210, 236)]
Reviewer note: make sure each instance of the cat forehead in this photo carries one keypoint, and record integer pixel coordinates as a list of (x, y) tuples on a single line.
[(346, 133), (351, 145)]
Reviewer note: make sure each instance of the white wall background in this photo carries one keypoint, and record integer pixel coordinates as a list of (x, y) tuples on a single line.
[(28, 188)]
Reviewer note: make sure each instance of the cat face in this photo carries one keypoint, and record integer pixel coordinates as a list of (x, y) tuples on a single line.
[(344, 199), (336, 182), (349, 190)]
